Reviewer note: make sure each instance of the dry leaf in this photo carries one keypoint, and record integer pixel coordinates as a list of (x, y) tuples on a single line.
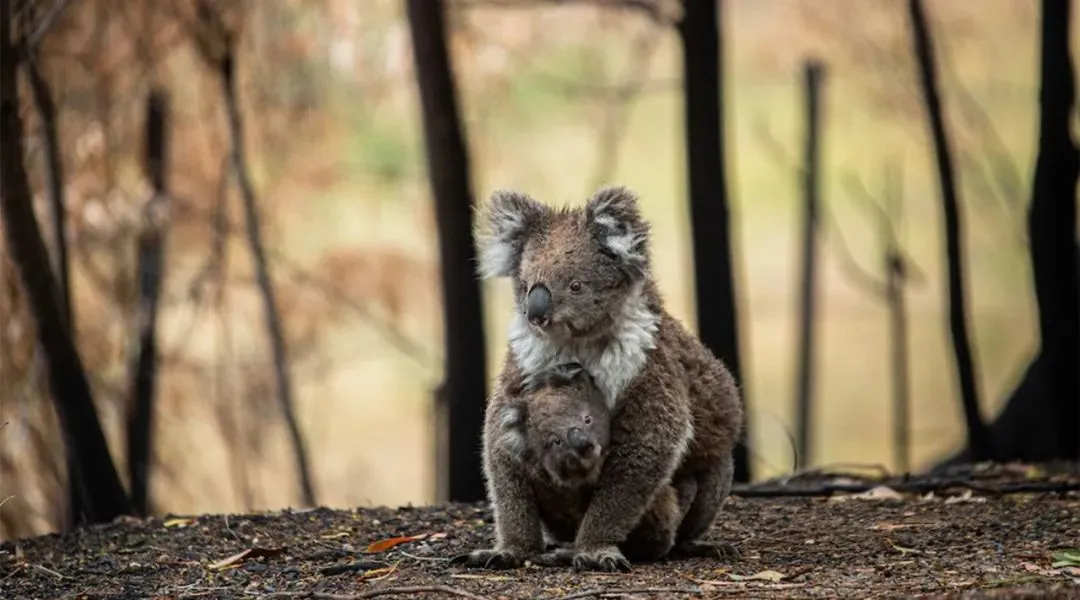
[(249, 553), (181, 522), (881, 492), (965, 497), (330, 536), (384, 545), (770, 575)]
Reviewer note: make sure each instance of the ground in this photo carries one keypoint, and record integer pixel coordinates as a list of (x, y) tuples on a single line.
[(954, 542)]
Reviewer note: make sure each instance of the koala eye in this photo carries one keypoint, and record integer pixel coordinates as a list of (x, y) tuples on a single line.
[(588, 420), (575, 286)]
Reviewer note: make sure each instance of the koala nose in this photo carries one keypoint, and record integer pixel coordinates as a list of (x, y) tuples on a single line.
[(579, 441), (538, 306)]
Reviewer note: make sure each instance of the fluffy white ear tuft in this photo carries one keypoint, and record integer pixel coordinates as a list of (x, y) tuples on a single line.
[(615, 219), (511, 436), (502, 227)]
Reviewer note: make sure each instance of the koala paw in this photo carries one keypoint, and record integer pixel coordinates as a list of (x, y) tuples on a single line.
[(706, 549), (603, 558), (489, 558), (557, 557)]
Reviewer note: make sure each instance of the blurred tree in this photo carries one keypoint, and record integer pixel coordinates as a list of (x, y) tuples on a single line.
[(103, 496), (714, 277), (465, 382), (1052, 228), (1041, 418), (978, 438), (45, 106), (150, 252)]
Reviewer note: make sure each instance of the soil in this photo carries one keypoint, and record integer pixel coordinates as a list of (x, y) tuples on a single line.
[(952, 543)]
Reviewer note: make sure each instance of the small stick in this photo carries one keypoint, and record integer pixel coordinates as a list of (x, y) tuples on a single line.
[(50, 572), (390, 591), (598, 593)]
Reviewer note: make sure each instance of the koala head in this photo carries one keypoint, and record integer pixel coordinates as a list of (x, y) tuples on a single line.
[(572, 268), (568, 425)]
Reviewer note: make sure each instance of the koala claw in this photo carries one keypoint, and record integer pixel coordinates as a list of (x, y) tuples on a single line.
[(604, 558), (488, 558), (706, 549)]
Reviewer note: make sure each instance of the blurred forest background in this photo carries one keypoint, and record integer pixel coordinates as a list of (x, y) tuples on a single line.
[(554, 100)]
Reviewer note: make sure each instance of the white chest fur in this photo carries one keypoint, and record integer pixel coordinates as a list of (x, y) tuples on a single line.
[(613, 361)]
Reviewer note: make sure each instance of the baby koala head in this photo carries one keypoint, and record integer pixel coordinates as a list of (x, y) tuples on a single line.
[(568, 424), (557, 424)]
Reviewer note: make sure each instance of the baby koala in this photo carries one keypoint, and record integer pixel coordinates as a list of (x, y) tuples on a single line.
[(555, 433)]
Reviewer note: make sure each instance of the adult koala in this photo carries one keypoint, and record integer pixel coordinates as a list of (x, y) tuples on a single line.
[(584, 293)]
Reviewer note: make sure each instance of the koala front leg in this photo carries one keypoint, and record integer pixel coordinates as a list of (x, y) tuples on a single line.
[(649, 438), (518, 532)]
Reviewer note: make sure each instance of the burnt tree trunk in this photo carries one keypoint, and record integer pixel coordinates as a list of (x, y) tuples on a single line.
[(1052, 229), (977, 437), (151, 249), (54, 178), (465, 384), (710, 222), (895, 283), (804, 383), (227, 72), (102, 494)]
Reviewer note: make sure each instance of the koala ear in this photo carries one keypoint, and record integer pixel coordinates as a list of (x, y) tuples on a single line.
[(615, 221), (511, 435), (569, 371), (502, 227)]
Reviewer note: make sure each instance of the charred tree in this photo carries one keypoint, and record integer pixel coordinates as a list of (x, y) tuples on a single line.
[(45, 107), (710, 222), (808, 293), (895, 283), (465, 383), (227, 73), (151, 249), (1052, 229), (978, 439), (102, 494)]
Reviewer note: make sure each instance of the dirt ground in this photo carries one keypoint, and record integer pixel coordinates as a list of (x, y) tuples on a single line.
[(950, 543)]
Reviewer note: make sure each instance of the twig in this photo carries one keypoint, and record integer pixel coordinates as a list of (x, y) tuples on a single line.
[(5, 500), (389, 591), (50, 572), (912, 487), (430, 558), (600, 593)]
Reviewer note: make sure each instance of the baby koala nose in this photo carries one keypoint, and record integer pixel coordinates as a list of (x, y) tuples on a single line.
[(580, 442), (538, 306)]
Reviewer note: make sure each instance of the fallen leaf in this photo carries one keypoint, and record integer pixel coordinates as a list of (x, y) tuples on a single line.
[(331, 536), (249, 553), (180, 522), (384, 545), (965, 497), (770, 575), (376, 574), (881, 492), (902, 550), (1067, 558)]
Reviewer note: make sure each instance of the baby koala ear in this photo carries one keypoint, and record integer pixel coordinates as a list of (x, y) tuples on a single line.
[(614, 219), (502, 227), (511, 431), (569, 371)]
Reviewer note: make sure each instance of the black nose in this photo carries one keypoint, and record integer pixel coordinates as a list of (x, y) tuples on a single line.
[(580, 442), (538, 306)]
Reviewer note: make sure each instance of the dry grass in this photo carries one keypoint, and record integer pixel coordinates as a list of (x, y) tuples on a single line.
[(347, 204)]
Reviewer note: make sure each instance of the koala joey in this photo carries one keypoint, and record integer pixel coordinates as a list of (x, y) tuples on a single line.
[(554, 436), (584, 292)]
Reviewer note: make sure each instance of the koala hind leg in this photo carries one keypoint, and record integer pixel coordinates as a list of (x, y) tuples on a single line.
[(713, 486), (654, 536)]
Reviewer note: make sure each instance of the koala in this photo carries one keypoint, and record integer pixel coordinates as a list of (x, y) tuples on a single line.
[(584, 292), (555, 434)]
